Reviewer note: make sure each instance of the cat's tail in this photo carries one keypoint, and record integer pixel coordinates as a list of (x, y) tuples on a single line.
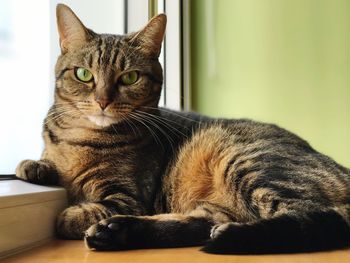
[(288, 233)]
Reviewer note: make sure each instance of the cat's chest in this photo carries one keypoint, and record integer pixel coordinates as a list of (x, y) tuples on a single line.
[(75, 150), (71, 159)]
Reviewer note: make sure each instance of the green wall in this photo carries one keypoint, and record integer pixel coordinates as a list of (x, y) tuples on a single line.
[(280, 61)]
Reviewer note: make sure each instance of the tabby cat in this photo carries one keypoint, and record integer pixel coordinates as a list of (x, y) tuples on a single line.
[(139, 176)]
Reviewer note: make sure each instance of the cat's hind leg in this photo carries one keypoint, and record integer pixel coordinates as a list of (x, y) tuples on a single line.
[(303, 229)]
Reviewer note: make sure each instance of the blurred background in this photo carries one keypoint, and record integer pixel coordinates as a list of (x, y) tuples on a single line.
[(285, 62)]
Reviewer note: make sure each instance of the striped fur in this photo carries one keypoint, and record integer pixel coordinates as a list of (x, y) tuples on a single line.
[(140, 176)]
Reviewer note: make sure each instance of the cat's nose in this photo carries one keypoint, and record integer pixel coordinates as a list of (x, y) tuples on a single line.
[(103, 102)]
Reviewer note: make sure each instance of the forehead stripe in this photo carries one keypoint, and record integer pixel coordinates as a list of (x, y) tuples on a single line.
[(116, 51), (90, 59), (99, 51)]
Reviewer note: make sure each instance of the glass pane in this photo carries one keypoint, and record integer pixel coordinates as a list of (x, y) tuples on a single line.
[(24, 88)]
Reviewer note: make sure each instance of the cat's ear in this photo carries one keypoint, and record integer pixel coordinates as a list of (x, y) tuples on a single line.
[(73, 34), (151, 36)]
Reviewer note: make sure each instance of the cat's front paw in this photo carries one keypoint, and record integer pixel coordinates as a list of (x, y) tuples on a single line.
[(37, 172), (109, 234)]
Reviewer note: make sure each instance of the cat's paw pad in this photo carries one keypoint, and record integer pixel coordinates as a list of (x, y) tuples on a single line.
[(218, 229), (38, 172), (108, 234)]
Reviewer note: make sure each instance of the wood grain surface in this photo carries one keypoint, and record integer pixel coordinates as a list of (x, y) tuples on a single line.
[(75, 251)]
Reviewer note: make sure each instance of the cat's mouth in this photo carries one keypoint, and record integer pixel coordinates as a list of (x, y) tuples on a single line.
[(102, 119)]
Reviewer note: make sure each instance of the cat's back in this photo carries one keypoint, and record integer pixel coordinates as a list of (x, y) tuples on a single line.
[(243, 155)]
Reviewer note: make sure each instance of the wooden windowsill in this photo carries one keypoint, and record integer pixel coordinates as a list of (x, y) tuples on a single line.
[(74, 251), (27, 214)]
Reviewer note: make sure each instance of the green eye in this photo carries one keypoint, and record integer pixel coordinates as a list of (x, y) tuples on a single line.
[(130, 78), (83, 74)]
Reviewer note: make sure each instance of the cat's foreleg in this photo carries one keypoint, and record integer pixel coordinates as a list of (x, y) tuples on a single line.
[(162, 230), (75, 220), (37, 172)]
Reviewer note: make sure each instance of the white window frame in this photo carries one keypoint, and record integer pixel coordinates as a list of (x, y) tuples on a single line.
[(175, 56)]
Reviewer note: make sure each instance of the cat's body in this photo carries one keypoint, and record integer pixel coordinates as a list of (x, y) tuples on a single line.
[(171, 178)]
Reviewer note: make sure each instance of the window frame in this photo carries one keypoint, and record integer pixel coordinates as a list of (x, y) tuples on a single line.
[(175, 55)]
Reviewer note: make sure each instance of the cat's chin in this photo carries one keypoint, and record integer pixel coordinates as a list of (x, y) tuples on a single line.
[(102, 121)]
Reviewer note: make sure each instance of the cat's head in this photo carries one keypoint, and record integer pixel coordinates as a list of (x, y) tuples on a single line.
[(104, 78)]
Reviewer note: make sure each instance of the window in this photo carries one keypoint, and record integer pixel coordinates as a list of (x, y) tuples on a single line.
[(24, 59), (29, 48)]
